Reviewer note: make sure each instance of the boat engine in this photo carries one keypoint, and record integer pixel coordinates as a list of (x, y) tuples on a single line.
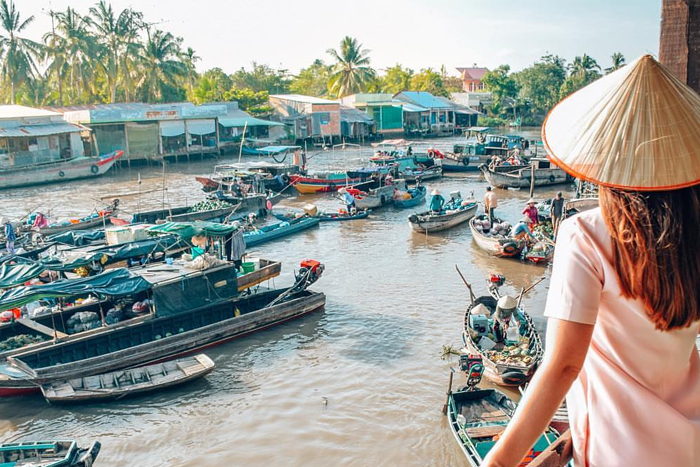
[(473, 367), (495, 281), (310, 271)]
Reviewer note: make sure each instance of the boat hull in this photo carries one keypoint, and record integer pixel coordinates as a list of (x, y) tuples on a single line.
[(442, 222), (281, 231), (82, 167), (96, 222), (413, 202), (460, 164), (310, 185), (493, 246), (520, 178)]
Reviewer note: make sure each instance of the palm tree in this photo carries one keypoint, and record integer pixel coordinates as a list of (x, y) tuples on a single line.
[(18, 61), (161, 64), (584, 66), (618, 61), (352, 72), (189, 58)]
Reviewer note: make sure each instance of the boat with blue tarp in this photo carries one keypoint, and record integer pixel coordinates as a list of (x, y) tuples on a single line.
[(416, 198), (48, 453), (278, 230)]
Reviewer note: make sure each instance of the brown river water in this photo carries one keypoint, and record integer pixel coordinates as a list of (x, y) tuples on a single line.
[(359, 384)]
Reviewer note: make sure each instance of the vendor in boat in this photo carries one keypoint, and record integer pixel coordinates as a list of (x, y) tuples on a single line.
[(490, 203), (349, 200), (505, 318), (10, 236), (237, 188), (235, 245), (522, 232), (437, 201), (557, 212), (531, 211), (40, 221)]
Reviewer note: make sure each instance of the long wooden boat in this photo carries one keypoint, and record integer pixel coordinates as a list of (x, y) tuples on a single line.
[(505, 247), (429, 222), (545, 174), (417, 198), (130, 382), (322, 216), (70, 169), (412, 175), (49, 453), (164, 337), (479, 417), (503, 365), (377, 195), (327, 182), (279, 230), (97, 220), (250, 204)]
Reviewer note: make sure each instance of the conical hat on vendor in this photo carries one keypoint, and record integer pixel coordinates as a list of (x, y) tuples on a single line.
[(435, 192), (507, 302), (637, 128), (480, 309), (342, 190)]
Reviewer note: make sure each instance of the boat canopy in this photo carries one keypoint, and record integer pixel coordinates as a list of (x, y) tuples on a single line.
[(478, 129), (278, 149), (391, 142), (114, 282), (19, 272), (190, 229), (77, 237)]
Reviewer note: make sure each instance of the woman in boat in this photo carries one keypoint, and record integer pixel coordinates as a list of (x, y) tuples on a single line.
[(531, 211), (349, 200), (40, 221), (437, 201), (624, 300)]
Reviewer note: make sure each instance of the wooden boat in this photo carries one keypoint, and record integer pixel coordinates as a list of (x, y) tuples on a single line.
[(502, 247), (322, 216), (429, 222), (256, 203), (119, 384), (512, 371), (272, 176), (54, 453), (58, 171), (420, 174), (376, 195), (520, 177), (327, 182), (478, 417), (167, 335), (577, 205), (98, 219), (417, 198), (279, 230)]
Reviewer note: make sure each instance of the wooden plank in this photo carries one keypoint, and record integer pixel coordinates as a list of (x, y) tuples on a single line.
[(556, 455), (484, 431), (679, 43), (30, 323)]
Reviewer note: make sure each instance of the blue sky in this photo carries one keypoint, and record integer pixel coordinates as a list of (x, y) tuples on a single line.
[(288, 34)]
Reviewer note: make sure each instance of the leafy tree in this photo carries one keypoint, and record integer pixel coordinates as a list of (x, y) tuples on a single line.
[(256, 103), (582, 71), (430, 81), (211, 86), (450, 83), (261, 78), (352, 71), (501, 85), (540, 83), (396, 79), (189, 58), (161, 67), (313, 80), (19, 54), (618, 61)]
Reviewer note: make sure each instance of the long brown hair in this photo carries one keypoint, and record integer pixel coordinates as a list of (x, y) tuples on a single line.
[(656, 251)]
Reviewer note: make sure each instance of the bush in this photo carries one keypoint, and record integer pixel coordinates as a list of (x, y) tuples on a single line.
[(492, 121)]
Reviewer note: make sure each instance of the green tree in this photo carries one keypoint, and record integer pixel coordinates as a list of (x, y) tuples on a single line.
[(37, 92), (618, 61), (261, 78), (502, 86), (429, 80), (256, 103), (450, 83), (190, 58), (540, 83), (212, 86), (397, 79), (352, 71), (313, 80), (161, 66), (19, 54), (582, 71)]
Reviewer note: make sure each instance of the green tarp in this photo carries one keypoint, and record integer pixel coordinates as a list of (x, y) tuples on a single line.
[(18, 273), (190, 229), (77, 237), (114, 282)]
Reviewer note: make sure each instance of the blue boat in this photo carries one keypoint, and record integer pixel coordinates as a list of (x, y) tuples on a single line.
[(417, 197), (48, 454), (322, 216), (279, 230)]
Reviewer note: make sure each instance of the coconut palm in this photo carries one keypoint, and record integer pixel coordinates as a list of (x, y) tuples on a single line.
[(19, 54), (618, 61), (351, 73), (584, 65), (189, 58), (160, 64)]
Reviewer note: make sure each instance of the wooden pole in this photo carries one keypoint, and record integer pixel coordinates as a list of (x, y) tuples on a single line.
[(679, 45), (532, 179), (471, 293), (240, 148), (449, 391)]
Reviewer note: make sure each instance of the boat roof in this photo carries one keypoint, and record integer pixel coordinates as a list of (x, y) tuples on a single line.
[(392, 142), (190, 229), (252, 165), (478, 129)]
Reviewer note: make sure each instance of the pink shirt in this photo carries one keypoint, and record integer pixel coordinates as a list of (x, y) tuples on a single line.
[(637, 400), (531, 212)]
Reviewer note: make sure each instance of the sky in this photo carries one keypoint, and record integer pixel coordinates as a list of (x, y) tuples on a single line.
[(290, 35)]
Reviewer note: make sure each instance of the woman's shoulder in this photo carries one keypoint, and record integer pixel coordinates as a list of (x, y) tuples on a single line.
[(586, 227)]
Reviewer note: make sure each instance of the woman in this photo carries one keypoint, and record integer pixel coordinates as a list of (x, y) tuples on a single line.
[(624, 300), (436, 201), (531, 211)]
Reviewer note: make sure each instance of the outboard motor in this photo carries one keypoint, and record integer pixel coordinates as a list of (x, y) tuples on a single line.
[(473, 367), (310, 271)]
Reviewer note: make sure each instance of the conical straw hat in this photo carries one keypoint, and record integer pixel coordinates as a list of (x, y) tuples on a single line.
[(637, 129)]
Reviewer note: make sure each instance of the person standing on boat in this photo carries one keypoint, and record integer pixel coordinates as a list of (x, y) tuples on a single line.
[(531, 211), (557, 212), (437, 201), (490, 203), (624, 299), (349, 200), (10, 236)]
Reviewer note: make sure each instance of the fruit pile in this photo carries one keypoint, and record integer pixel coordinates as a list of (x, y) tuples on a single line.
[(517, 355), (16, 342), (209, 206)]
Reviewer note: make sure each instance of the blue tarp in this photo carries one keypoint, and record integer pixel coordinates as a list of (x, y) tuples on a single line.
[(78, 237), (114, 282)]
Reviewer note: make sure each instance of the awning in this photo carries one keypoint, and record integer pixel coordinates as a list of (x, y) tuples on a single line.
[(18, 273), (41, 130), (170, 129), (413, 108), (190, 229), (201, 127), (114, 282), (467, 111), (230, 122)]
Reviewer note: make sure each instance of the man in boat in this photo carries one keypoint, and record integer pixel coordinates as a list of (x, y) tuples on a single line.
[(531, 211), (236, 246), (237, 189), (349, 200), (557, 211), (437, 201), (490, 203), (10, 236)]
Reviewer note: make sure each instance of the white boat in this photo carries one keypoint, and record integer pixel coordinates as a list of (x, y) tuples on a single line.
[(377, 197), (545, 174), (428, 222), (50, 172)]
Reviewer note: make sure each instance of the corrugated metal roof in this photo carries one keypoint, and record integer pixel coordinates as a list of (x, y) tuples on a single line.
[(423, 99), (413, 108), (473, 72), (350, 115), (459, 108), (41, 130), (303, 99), (238, 118), (137, 111), (20, 111)]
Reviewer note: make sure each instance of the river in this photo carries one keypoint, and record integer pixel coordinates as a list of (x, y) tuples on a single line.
[(359, 384)]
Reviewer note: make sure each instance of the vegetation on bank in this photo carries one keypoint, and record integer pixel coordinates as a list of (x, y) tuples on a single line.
[(103, 56)]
